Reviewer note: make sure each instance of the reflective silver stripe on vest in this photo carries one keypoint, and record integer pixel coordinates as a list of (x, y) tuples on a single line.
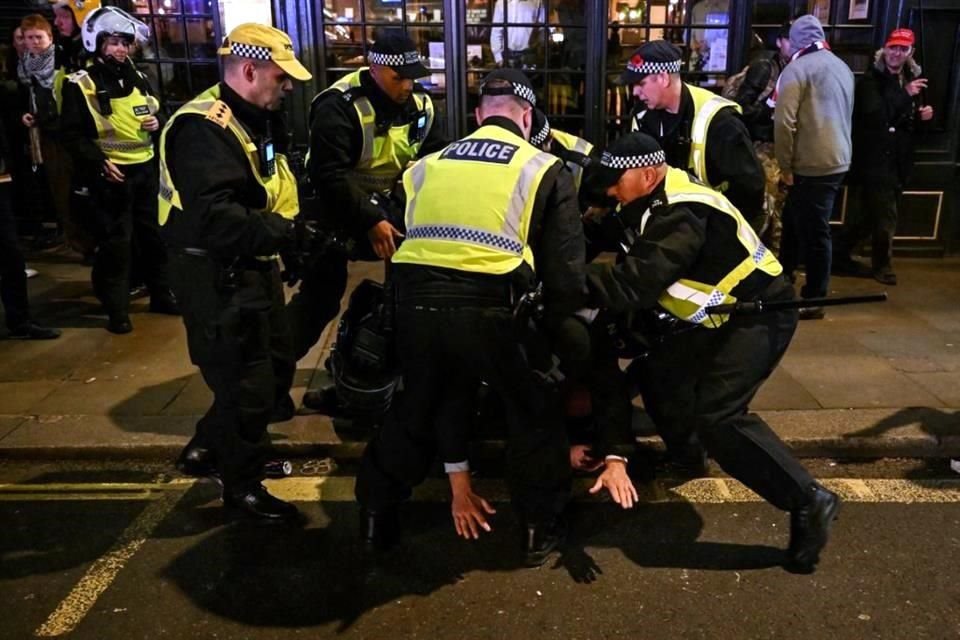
[(466, 234), (418, 172), (521, 191), (681, 291), (368, 128)]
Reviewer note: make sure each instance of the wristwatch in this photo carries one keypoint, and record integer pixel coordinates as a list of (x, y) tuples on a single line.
[(613, 457)]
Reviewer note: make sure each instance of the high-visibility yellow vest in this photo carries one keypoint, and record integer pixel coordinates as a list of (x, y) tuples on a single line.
[(688, 299), (281, 187), (706, 105), (119, 135), (383, 156), (469, 206), (571, 142)]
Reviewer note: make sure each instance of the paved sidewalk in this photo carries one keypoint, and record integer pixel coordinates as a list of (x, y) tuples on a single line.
[(870, 380)]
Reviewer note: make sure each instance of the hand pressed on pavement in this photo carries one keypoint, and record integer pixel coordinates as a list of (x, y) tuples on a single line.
[(618, 483), (468, 509)]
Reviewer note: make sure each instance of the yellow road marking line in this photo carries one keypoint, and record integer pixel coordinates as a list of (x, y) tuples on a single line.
[(104, 570), (340, 489)]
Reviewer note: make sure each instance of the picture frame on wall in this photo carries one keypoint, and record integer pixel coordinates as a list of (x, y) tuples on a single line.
[(859, 10), (820, 9)]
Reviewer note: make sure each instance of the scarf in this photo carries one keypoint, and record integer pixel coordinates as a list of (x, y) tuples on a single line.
[(813, 47), (40, 68)]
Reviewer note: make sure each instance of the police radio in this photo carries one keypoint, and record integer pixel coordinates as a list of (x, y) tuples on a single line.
[(103, 102), (418, 127), (268, 158)]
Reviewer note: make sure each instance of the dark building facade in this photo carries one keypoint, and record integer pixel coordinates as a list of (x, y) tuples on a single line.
[(573, 50)]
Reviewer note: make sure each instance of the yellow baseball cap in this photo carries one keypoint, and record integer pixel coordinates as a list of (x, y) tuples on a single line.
[(251, 40)]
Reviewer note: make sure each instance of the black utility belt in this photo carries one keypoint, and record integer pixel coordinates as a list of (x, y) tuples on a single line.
[(238, 264)]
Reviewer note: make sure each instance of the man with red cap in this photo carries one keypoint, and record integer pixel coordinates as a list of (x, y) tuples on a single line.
[(888, 102)]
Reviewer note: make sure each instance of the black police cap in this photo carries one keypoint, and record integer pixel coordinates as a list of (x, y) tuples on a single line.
[(632, 151), (540, 129), (519, 85), (656, 56), (396, 50)]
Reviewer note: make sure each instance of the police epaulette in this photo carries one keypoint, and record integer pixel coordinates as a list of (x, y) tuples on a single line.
[(77, 76), (419, 88), (220, 113), (353, 93)]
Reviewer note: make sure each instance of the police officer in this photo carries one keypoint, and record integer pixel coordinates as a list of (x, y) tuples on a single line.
[(108, 123), (575, 152), (686, 248), (485, 218), (698, 130), (364, 129), (227, 197)]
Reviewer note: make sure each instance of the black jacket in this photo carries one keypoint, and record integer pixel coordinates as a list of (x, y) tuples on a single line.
[(684, 240), (77, 128), (336, 140), (883, 124), (221, 197), (730, 155), (556, 237), (757, 115)]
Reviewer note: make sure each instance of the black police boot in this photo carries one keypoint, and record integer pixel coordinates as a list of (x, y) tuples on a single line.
[(119, 324), (165, 303), (323, 400), (810, 527), (380, 530), (33, 331), (283, 410), (257, 502), (541, 540), (197, 461)]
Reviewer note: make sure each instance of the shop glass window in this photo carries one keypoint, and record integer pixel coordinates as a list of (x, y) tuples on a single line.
[(350, 27), (180, 58), (545, 38)]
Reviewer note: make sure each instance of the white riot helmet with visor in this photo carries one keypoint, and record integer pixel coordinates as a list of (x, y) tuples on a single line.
[(111, 21)]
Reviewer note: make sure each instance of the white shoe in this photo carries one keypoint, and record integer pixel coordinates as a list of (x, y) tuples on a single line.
[(31, 273)]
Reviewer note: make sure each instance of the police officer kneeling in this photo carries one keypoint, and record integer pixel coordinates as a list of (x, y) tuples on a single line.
[(482, 214), (688, 248), (226, 203)]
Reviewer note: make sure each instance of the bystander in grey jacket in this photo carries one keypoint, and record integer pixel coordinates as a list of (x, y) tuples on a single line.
[(812, 119)]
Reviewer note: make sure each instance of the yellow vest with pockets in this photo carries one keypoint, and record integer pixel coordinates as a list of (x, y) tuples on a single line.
[(281, 187), (706, 105), (119, 135), (383, 156), (469, 206), (573, 143), (688, 299)]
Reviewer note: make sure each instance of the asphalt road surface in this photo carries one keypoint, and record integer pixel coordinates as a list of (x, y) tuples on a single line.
[(123, 550)]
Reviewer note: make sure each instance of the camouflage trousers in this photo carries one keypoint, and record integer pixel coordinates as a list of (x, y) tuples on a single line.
[(775, 194)]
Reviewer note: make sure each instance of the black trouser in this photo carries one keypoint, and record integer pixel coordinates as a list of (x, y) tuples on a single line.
[(444, 353), (872, 213), (122, 211), (238, 335), (13, 280), (703, 382), (322, 286)]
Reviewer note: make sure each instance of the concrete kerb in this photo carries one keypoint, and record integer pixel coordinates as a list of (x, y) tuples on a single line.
[(808, 433)]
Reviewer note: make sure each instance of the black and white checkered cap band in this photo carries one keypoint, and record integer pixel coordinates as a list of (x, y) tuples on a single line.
[(649, 67), (394, 59), (539, 137), (250, 51), (653, 159), (520, 90)]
